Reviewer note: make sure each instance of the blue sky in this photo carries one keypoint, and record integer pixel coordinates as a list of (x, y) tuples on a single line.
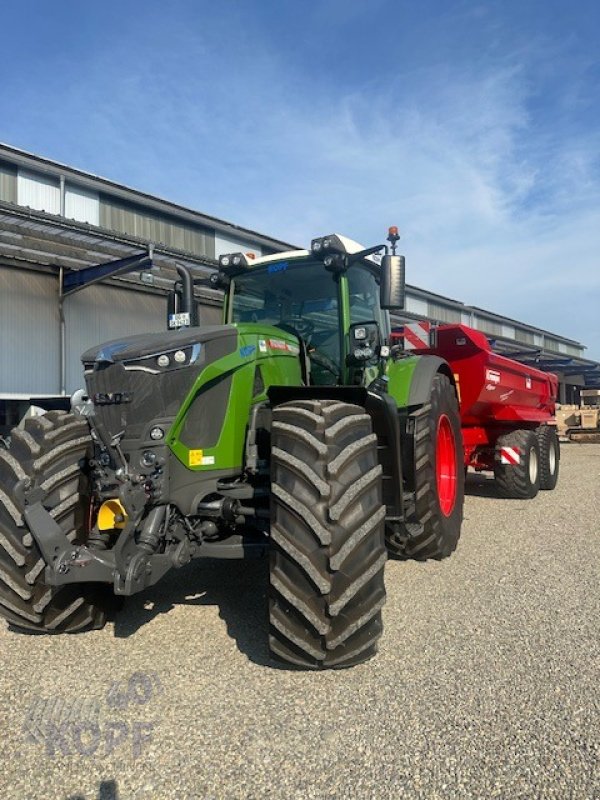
[(475, 127)]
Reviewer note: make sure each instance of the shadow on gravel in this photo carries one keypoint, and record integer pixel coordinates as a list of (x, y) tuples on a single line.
[(107, 790), (237, 588), (479, 484)]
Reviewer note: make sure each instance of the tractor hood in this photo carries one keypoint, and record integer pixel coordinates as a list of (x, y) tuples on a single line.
[(142, 346)]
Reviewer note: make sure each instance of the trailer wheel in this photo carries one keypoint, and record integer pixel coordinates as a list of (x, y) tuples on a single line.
[(48, 453), (549, 456), (327, 551), (517, 464), (439, 479)]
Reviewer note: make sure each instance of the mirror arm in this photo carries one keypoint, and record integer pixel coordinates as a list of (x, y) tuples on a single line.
[(351, 259)]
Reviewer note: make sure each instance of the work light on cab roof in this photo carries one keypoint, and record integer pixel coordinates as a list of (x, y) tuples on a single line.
[(236, 260)]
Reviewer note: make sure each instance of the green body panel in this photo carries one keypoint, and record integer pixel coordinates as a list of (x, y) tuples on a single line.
[(400, 374), (345, 320), (276, 352)]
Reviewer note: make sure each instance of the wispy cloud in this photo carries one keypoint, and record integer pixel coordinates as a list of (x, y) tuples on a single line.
[(484, 154)]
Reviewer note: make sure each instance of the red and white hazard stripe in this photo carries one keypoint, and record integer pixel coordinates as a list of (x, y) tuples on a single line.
[(510, 455), (416, 335)]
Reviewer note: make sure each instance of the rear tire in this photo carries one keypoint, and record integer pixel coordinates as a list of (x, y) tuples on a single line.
[(549, 456), (327, 535), (520, 480), (49, 453), (439, 479)]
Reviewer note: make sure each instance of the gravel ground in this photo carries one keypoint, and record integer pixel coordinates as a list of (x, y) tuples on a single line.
[(485, 685)]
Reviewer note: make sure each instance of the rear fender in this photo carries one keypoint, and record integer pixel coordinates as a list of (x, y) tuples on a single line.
[(419, 392), (422, 379)]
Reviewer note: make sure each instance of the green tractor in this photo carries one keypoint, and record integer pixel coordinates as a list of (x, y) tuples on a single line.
[(293, 431)]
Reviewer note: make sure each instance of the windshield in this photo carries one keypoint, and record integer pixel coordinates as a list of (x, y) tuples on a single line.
[(303, 297)]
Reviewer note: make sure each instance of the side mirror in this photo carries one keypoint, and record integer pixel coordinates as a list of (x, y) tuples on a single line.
[(365, 341), (392, 288)]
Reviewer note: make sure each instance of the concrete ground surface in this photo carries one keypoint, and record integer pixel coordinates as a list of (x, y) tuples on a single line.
[(486, 684)]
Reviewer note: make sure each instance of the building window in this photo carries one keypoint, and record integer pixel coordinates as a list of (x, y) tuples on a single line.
[(39, 192), (415, 305), (82, 205), (225, 245)]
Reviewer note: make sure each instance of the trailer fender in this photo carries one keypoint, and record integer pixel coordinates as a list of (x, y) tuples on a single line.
[(425, 371)]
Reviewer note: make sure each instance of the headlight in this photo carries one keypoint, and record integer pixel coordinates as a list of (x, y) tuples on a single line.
[(172, 359)]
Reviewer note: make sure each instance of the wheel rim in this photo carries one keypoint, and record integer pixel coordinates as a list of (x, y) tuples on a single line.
[(552, 459), (446, 468), (533, 465)]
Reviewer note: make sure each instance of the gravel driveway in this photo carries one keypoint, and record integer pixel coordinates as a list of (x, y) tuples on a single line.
[(486, 684)]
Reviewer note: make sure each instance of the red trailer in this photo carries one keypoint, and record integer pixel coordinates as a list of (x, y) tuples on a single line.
[(507, 408)]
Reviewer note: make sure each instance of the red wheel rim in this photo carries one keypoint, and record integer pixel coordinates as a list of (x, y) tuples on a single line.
[(445, 460)]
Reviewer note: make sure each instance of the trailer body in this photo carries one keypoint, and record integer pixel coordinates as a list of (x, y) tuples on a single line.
[(497, 395)]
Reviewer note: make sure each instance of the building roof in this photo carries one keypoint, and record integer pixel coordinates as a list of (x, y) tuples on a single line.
[(38, 240), (87, 179)]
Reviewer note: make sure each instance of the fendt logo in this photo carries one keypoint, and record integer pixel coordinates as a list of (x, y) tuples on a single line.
[(112, 398)]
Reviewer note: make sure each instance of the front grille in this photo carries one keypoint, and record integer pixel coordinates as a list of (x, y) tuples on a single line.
[(151, 396), (106, 379)]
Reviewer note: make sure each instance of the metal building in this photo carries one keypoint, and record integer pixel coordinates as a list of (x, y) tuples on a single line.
[(56, 220)]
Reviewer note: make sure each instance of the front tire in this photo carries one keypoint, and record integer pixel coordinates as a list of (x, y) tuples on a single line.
[(327, 535), (439, 479), (517, 464), (48, 453)]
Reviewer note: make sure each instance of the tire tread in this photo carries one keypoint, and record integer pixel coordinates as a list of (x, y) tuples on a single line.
[(46, 453), (327, 552)]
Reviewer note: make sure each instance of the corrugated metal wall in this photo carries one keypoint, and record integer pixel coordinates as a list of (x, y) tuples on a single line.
[(522, 336), (488, 326), (131, 219), (101, 313), (29, 350), (442, 312), (8, 183)]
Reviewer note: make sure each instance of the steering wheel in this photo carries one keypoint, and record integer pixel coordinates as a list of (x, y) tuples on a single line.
[(303, 327), (324, 362)]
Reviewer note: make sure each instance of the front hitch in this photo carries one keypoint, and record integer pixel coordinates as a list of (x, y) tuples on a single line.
[(129, 567)]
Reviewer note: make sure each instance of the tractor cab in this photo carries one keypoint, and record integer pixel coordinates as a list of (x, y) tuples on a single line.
[(329, 297)]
